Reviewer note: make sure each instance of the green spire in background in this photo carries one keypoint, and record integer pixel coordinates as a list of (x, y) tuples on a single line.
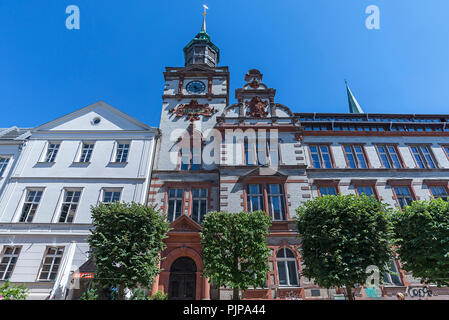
[(354, 106)]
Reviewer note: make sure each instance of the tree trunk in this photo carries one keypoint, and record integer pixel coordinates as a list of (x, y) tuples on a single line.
[(121, 292), (349, 292), (235, 294)]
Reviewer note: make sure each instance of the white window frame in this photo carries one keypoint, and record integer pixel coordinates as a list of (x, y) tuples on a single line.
[(176, 199), (285, 260), (46, 156), (281, 198), (24, 202), (62, 202), (104, 190), (10, 257), (81, 150), (200, 199), (4, 164), (260, 196), (116, 151), (53, 256)]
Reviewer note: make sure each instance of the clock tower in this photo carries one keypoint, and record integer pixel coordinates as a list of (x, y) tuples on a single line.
[(185, 186)]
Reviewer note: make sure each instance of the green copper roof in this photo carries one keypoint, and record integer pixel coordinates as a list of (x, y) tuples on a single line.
[(354, 106), (202, 38)]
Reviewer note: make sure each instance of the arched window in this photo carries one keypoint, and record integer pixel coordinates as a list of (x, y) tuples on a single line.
[(287, 268)]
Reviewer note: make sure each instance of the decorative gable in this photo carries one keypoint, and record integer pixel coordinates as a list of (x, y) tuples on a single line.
[(185, 224)]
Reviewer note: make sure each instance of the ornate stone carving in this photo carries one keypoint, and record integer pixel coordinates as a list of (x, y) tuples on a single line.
[(193, 110), (257, 108)]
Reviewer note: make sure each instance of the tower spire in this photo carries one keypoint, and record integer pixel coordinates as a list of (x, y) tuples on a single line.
[(204, 18), (354, 106)]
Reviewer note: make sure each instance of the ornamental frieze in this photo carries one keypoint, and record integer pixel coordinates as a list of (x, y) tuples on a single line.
[(193, 110)]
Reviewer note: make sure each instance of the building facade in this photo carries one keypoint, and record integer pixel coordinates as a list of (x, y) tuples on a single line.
[(95, 154), (257, 154)]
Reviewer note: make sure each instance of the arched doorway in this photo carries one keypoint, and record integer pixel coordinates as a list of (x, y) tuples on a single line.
[(182, 284)]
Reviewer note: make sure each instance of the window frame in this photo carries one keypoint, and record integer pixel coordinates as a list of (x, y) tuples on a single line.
[(331, 156), (4, 164), (371, 184), (53, 256), (80, 157), (200, 198), (264, 198), (443, 184), (47, 157), (187, 198), (105, 189), (285, 260), (388, 274), (424, 160), (24, 202), (388, 154), (10, 257), (64, 202), (400, 185), (116, 153), (355, 155)]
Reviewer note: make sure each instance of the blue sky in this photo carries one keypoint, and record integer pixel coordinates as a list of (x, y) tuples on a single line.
[(305, 49)]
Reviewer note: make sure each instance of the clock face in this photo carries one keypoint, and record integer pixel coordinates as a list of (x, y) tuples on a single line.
[(195, 87)]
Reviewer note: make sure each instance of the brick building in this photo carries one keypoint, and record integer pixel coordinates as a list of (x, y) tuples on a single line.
[(259, 154)]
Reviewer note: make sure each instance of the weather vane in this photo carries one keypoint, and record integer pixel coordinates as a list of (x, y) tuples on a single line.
[(204, 18)]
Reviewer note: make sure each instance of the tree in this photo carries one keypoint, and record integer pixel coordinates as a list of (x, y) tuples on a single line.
[(235, 250), (341, 236), (126, 244), (10, 291), (422, 239)]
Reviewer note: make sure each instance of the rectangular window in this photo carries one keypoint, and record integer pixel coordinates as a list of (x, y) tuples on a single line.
[(254, 195), (32, 199), (439, 192), (86, 152), (392, 277), (50, 263), (276, 202), (321, 157), (355, 156), (389, 156), (122, 152), (328, 191), (3, 164), (423, 157), (69, 206), (52, 151), (367, 190), (403, 195), (199, 204), (175, 204), (110, 196), (8, 260)]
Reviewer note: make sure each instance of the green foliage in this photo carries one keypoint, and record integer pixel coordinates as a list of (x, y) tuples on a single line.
[(90, 294), (159, 295), (13, 292), (422, 236), (343, 235), (235, 250), (126, 242), (139, 294)]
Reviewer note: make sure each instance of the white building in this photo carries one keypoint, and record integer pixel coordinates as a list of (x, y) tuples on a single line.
[(95, 154)]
